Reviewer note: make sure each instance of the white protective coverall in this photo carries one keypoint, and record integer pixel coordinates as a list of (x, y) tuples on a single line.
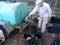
[(44, 13)]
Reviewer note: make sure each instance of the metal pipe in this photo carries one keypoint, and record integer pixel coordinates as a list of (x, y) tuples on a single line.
[(20, 21)]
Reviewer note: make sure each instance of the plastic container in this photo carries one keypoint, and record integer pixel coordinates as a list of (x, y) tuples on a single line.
[(53, 28)]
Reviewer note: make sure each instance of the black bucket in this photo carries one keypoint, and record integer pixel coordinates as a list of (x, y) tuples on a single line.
[(28, 36), (34, 31), (55, 20), (53, 28), (35, 42), (38, 35), (33, 38)]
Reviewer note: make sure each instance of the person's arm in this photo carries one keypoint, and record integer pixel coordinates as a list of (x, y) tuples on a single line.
[(34, 11), (49, 11)]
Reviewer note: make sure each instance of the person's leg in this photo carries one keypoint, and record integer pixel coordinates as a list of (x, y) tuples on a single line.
[(44, 24), (40, 22)]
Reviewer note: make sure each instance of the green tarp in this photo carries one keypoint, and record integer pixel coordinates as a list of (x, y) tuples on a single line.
[(11, 12)]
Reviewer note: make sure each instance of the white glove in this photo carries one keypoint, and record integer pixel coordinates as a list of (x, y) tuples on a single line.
[(27, 17), (38, 18)]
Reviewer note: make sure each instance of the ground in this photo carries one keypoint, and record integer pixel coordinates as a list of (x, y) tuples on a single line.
[(16, 38)]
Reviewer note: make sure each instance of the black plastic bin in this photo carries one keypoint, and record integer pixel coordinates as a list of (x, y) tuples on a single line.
[(53, 28), (34, 37), (37, 33), (55, 20), (28, 36)]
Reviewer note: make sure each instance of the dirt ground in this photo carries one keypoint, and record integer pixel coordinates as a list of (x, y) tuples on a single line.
[(16, 38)]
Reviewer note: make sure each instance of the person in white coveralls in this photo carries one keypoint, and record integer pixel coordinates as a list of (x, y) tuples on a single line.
[(44, 11)]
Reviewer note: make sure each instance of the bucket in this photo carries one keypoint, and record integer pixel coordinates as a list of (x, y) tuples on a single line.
[(28, 36), (53, 28), (35, 42)]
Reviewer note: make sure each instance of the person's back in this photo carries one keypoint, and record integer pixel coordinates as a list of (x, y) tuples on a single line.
[(43, 10)]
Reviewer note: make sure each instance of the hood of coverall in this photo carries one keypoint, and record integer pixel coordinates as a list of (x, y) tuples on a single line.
[(39, 3)]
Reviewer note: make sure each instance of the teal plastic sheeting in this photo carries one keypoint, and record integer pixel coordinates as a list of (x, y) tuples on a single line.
[(11, 12)]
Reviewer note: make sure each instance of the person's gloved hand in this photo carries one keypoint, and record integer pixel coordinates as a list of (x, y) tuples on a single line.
[(28, 17)]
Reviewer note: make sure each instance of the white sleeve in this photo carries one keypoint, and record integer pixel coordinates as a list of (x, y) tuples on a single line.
[(49, 10), (34, 11)]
